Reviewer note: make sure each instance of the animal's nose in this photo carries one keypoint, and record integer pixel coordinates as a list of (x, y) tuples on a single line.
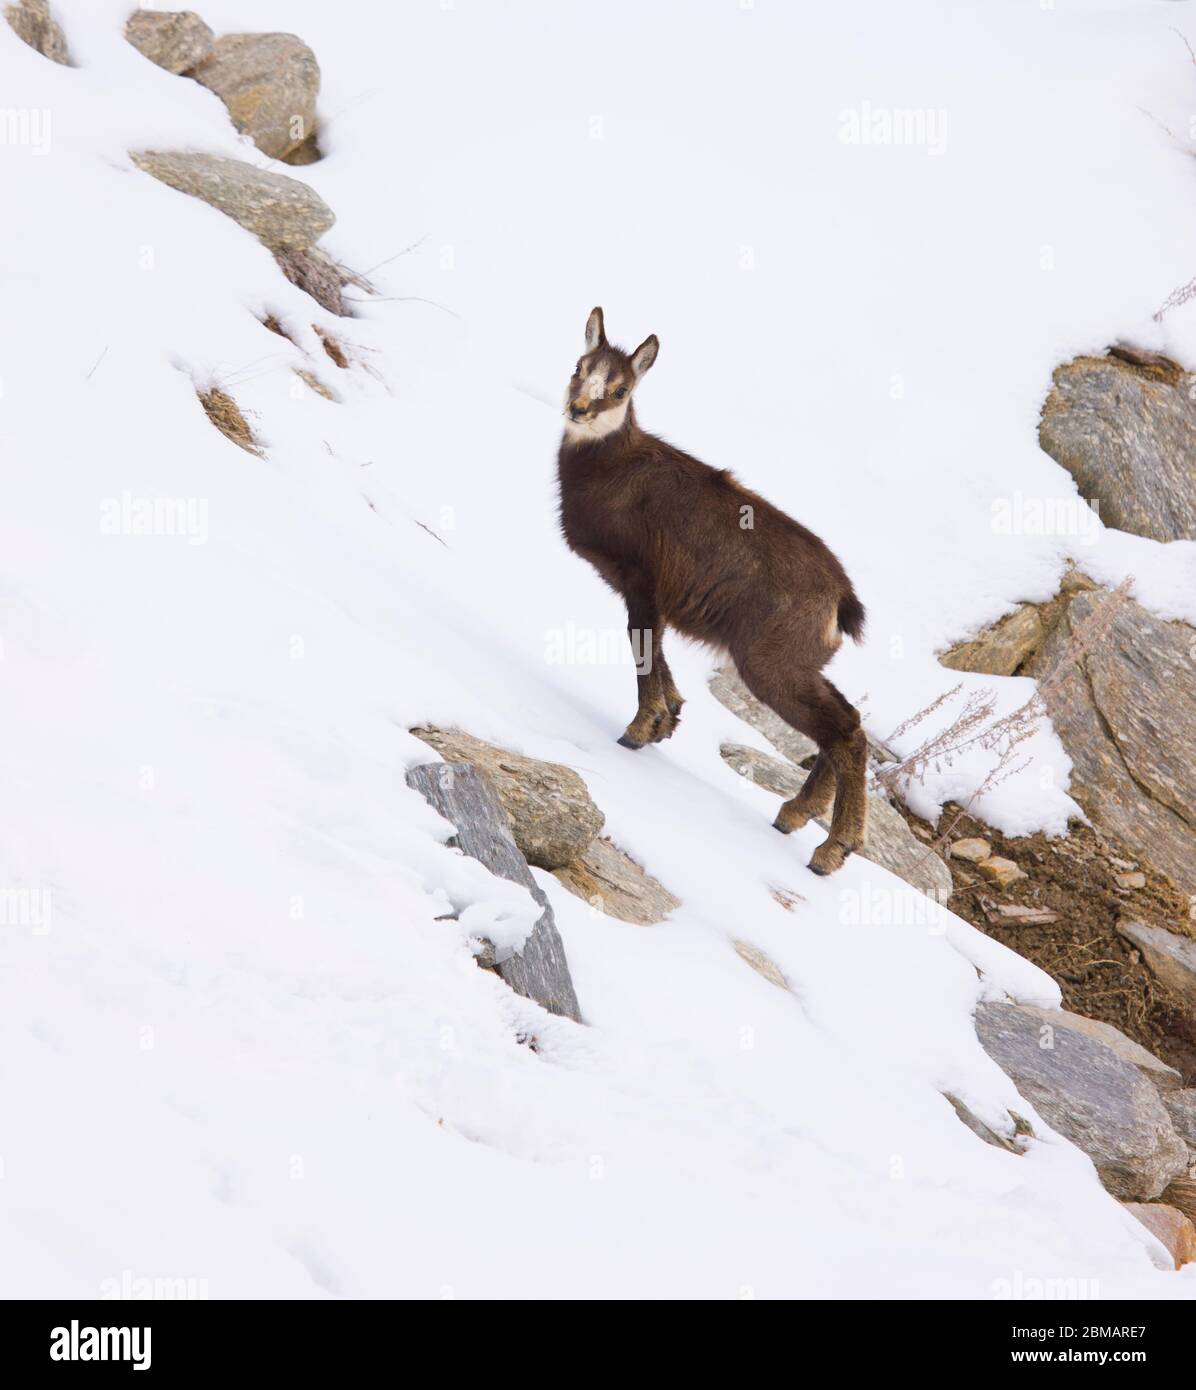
[(577, 411)]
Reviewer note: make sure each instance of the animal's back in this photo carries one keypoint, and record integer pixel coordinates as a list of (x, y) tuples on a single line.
[(719, 553)]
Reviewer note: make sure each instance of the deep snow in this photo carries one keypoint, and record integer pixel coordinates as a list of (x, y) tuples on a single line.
[(237, 1046)]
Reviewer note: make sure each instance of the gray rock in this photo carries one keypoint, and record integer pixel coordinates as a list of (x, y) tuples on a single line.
[(614, 883), (465, 796), (1164, 1078), (32, 22), (1181, 1106), (281, 212), (174, 39), (890, 842), (1125, 432), (552, 816), (1170, 957), (1090, 1095), (1127, 716), (269, 82)]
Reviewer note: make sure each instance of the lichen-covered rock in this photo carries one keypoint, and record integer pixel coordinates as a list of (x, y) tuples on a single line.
[(32, 22), (614, 884), (173, 39), (1084, 1090), (552, 816), (281, 212), (467, 799), (1127, 716), (1124, 431), (889, 843), (269, 82)]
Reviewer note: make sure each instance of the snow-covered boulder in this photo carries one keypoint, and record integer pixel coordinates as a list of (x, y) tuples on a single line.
[(466, 798), (1082, 1088)]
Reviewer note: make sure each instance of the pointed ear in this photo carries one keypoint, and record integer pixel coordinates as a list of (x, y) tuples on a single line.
[(595, 331), (644, 355)]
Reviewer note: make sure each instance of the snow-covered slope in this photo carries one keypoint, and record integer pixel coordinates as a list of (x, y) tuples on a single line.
[(237, 1046)]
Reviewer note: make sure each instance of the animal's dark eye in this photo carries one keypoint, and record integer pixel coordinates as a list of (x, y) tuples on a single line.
[(620, 393)]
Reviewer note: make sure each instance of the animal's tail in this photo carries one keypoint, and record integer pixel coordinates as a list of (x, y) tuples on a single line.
[(851, 616)]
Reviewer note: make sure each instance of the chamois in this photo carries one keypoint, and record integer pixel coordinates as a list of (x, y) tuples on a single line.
[(688, 547)]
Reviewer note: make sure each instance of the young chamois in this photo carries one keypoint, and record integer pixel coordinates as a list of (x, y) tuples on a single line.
[(689, 547)]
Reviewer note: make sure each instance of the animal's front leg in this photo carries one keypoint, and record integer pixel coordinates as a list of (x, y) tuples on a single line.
[(643, 630)]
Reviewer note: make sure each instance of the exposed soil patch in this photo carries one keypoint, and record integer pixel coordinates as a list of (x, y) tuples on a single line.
[(1101, 974)]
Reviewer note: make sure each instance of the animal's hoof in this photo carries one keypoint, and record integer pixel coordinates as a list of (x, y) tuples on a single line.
[(784, 829), (665, 727), (828, 857), (631, 743)]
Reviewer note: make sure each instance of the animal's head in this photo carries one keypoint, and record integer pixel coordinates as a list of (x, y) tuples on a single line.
[(599, 392)]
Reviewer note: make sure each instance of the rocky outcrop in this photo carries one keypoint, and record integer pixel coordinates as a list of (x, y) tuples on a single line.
[(32, 22), (281, 212), (1170, 1226), (1124, 430), (1171, 958), (1127, 716), (552, 816), (1083, 1089), (890, 842), (468, 800), (614, 884), (269, 82), (1125, 709), (173, 39)]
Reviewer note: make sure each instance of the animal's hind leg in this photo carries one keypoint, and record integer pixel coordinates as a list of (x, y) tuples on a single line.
[(812, 705), (849, 819), (813, 801)]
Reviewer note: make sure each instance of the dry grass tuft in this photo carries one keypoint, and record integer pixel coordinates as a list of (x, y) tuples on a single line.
[(332, 347), (312, 380), (320, 276), (226, 415)]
